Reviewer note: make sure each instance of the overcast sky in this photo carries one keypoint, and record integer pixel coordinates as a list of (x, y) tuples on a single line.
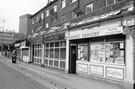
[(10, 10)]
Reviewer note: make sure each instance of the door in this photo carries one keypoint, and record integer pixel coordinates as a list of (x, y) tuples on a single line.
[(72, 58)]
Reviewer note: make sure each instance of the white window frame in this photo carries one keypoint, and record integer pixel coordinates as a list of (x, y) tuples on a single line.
[(42, 16), (47, 13), (63, 4), (55, 8), (89, 6), (72, 1), (47, 25)]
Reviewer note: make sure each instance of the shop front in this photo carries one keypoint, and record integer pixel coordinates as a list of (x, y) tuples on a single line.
[(36, 49), (55, 50), (102, 50)]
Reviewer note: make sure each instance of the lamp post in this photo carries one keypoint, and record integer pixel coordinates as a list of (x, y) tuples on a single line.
[(3, 21)]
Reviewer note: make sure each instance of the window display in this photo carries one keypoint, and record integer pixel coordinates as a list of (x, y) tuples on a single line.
[(97, 52), (107, 52), (115, 53), (83, 52)]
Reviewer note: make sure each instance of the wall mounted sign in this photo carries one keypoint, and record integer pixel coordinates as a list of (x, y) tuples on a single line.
[(82, 68), (129, 22), (95, 69), (117, 73), (94, 33)]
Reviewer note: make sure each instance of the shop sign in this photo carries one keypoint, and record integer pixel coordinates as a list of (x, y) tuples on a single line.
[(82, 68), (117, 73), (95, 69), (94, 33), (129, 22)]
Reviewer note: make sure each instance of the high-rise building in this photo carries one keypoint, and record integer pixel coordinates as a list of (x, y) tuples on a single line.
[(24, 23)]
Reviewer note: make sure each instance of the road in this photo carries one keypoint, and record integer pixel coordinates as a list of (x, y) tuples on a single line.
[(13, 79)]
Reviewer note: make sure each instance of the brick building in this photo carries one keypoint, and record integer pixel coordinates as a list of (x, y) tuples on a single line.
[(89, 37)]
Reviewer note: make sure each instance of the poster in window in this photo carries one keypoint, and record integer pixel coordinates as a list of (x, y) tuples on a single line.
[(97, 53)]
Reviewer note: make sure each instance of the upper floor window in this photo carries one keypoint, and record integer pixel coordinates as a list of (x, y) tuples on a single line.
[(42, 16), (89, 8), (32, 22), (63, 3), (63, 18), (74, 15), (47, 13), (37, 19), (109, 2), (55, 8), (47, 25), (72, 1)]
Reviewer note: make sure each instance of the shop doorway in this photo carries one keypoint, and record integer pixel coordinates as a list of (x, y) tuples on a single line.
[(72, 59)]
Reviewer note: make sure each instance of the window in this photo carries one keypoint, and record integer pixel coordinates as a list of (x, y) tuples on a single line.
[(63, 4), (47, 25), (42, 16), (108, 51), (55, 8), (89, 8), (74, 15), (63, 18), (72, 1), (37, 19), (83, 52), (32, 22), (110, 2), (47, 13)]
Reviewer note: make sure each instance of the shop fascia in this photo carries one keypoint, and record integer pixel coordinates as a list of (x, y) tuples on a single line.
[(102, 30)]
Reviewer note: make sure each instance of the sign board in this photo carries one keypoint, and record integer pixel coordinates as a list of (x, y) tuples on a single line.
[(117, 73), (95, 69), (82, 68), (129, 22)]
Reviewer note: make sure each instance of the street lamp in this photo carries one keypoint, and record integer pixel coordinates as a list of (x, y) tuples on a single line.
[(3, 21)]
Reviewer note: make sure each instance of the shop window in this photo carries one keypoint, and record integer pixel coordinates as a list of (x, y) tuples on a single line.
[(46, 52), (57, 44), (97, 52), (63, 53), (63, 44), (115, 53), (108, 51), (57, 53), (51, 53), (83, 52)]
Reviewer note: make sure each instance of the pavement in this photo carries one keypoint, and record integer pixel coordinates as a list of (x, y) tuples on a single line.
[(62, 80)]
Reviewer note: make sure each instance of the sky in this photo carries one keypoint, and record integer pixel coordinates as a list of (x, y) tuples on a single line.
[(10, 10)]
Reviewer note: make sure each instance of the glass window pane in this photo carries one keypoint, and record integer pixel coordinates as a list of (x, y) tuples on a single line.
[(57, 44), (97, 52), (115, 53), (47, 52), (63, 44), (56, 52), (63, 53), (83, 52), (51, 53), (51, 44)]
